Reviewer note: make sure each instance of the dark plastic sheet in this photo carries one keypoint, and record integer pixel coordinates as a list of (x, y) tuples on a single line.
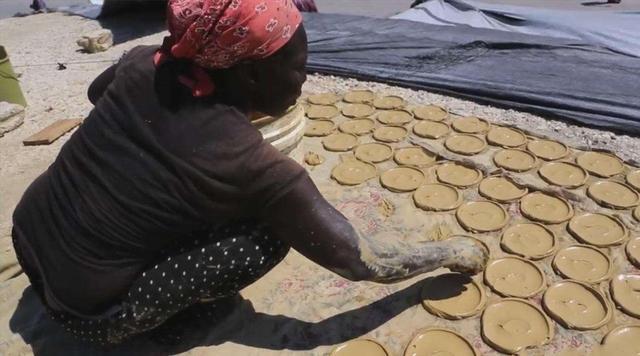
[(612, 29), (544, 75)]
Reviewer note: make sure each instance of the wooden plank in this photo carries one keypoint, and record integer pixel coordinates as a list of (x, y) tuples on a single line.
[(52, 132)]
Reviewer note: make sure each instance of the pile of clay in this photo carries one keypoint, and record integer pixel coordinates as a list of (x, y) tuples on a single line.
[(562, 218)]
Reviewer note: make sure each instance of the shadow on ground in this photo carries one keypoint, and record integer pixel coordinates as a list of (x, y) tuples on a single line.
[(134, 21), (244, 326)]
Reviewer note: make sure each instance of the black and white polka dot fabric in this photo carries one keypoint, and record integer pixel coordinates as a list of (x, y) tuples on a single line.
[(213, 268)]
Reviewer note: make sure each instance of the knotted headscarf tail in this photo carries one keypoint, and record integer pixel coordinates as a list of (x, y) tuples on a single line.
[(217, 34)]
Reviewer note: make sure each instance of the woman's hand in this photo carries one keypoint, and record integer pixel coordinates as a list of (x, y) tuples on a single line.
[(468, 255)]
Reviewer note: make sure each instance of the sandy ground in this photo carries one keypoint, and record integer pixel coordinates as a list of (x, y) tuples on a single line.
[(57, 94)]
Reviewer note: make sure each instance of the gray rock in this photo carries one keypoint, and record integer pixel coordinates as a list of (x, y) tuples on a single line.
[(11, 116)]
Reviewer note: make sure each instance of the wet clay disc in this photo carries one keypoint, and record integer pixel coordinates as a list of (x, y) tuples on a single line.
[(470, 125), (373, 152), (390, 134), (576, 306), (357, 110), (633, 179), (583, 263), (515, 160), (597, 229), (357, 126), (633, 251), (529, 240), (359, 347), (395, 117), (437, 341), (437, 197), (465, 144), (402, 179), (458, 175), (319, 128), (361, 96), (313, 159), (624, 339), (323, 99), (512, 325), (431, 129), (482, 216), (430, 112), (613, 195), (322, 111), (500, 189), (600, 164), (414, 156), (506, 137), (453, 296), (625, 291), (547, 149), (353, 172), (514, 277), (388, 102), (563, 174), (339, 142), (541, 207)]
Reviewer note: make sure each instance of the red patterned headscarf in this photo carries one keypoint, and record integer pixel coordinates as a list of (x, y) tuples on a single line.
[(217, 34)]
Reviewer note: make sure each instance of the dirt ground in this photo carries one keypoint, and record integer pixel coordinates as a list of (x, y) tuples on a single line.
[(59, 94)]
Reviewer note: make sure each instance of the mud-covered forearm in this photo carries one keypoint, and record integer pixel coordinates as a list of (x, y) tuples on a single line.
[(392, 261), (395, 260), (313, 227)]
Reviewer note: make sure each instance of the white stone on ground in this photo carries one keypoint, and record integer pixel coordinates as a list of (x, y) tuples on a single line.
[(96, 41), (11, 116)]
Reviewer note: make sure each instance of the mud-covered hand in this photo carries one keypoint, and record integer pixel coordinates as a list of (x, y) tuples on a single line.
[(468, 255)]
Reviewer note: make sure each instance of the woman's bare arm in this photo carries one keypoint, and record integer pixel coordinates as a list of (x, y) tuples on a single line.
[(313, 227)]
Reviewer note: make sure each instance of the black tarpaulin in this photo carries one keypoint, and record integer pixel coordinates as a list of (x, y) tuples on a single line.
[(555, 77), (608, 27)]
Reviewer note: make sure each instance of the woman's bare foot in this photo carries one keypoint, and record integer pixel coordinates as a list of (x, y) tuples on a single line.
[(468, 255)]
